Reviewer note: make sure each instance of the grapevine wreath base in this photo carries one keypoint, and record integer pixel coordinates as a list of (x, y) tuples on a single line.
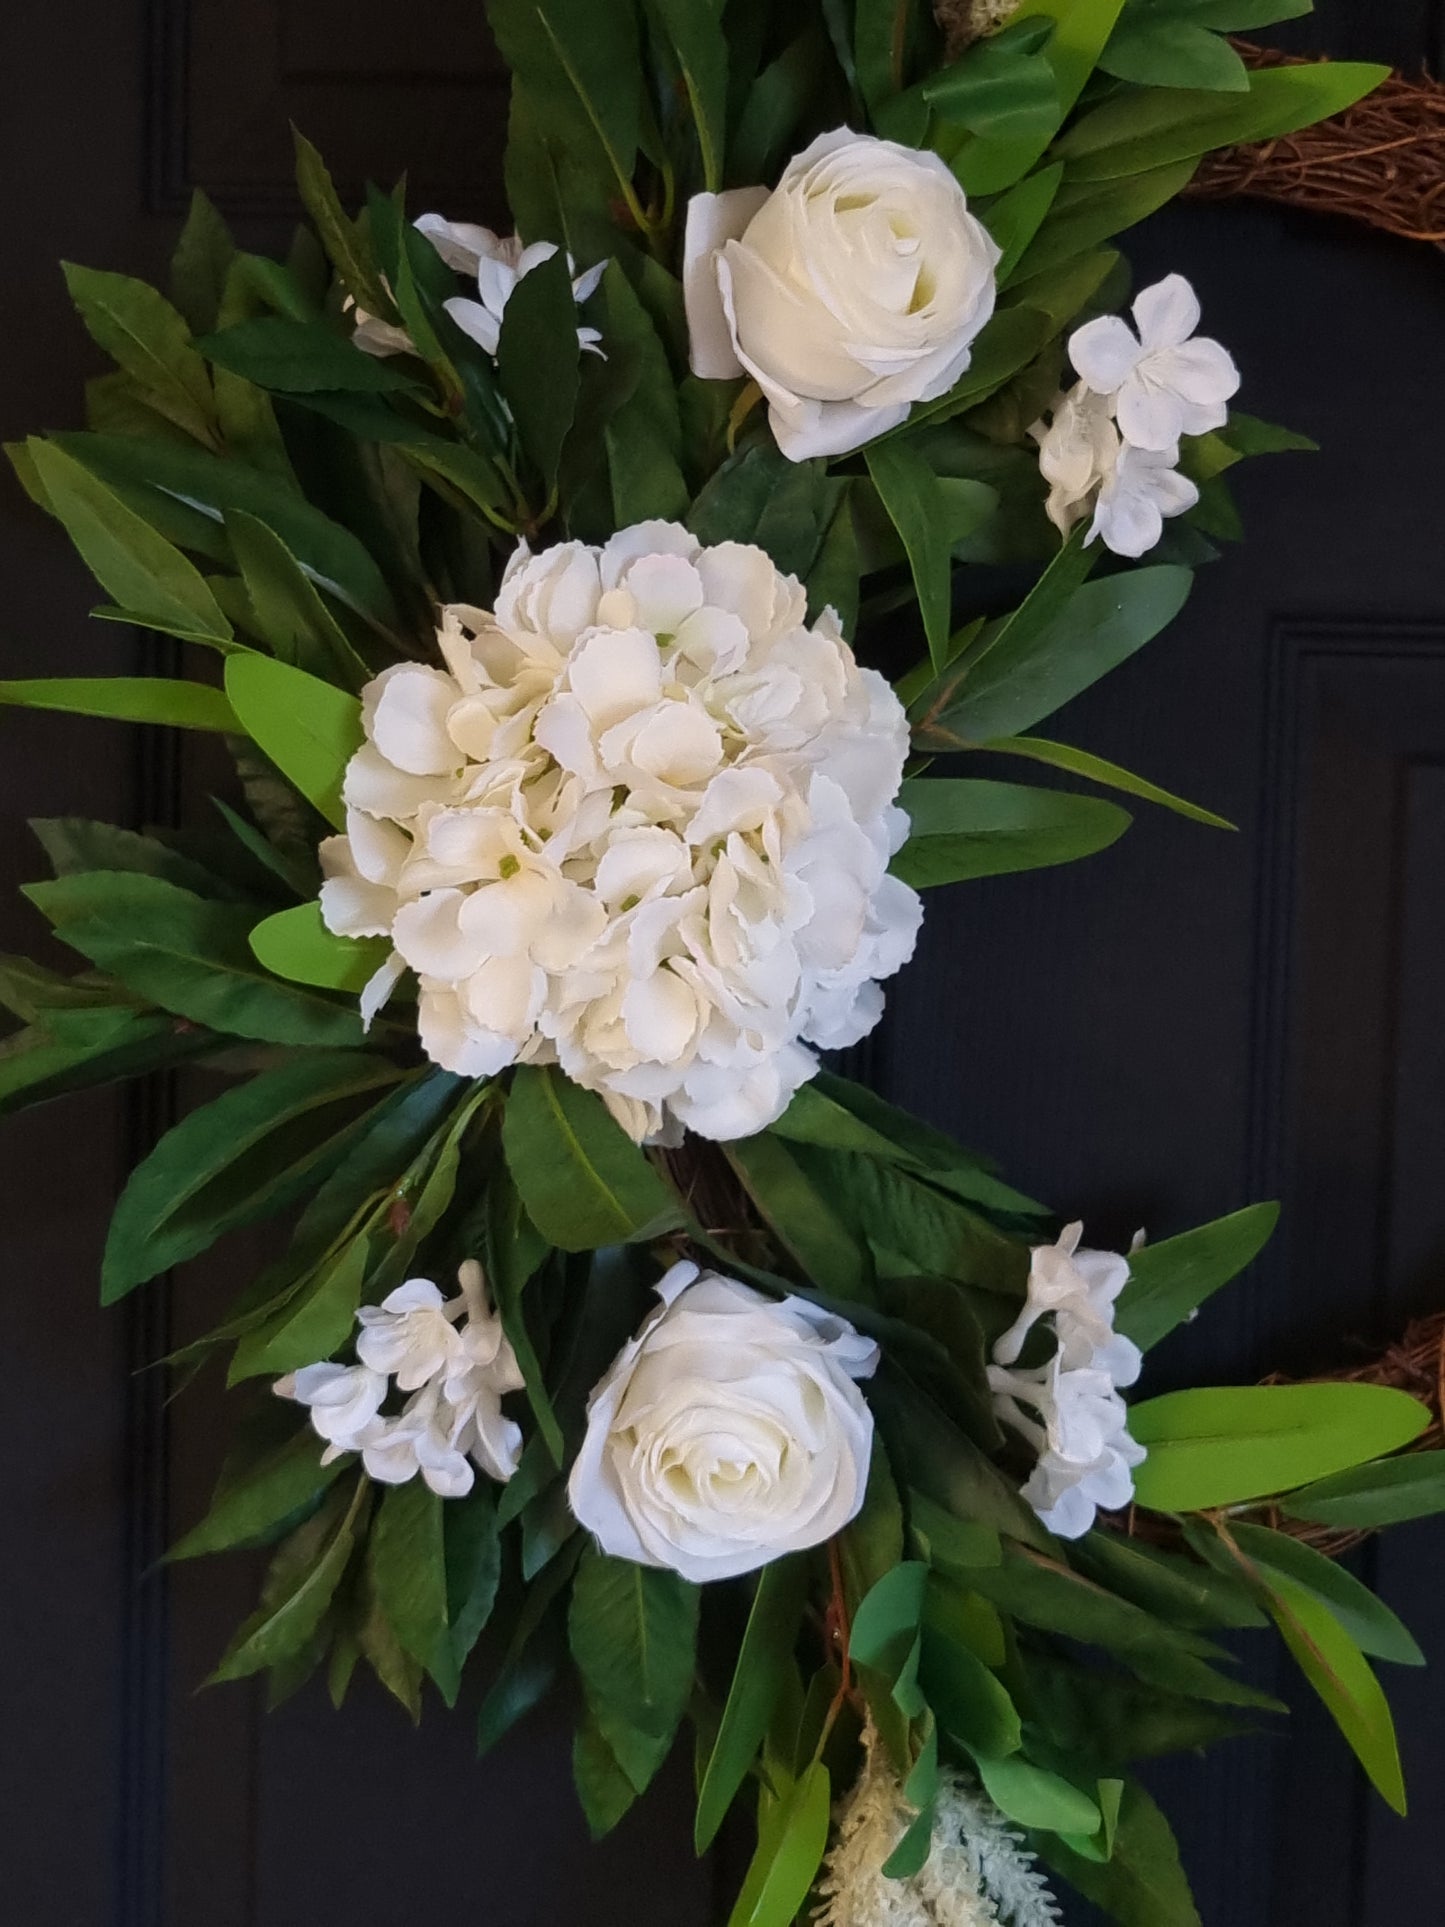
[(535, 585)]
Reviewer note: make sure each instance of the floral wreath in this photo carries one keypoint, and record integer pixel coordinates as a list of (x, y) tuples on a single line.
[(540, 574)]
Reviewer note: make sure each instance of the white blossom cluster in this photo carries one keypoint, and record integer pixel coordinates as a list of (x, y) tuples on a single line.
[(639, 826), (1080, 1431), (1112, 442), (454, 1361)]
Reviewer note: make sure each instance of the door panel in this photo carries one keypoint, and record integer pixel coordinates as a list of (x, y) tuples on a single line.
[(1189, 1020)]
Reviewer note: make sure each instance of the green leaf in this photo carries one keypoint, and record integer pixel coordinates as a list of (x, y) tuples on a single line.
[(244, 1156), (1339, 1672), (633, 1632), (792, 1837), (969, 1703), (302, 358), (643, 440), (1143, 1883), (473, 1558), (695, 33), (758, 1678), (1002, 88), (1007, 344), (1035, 1798), (189, 955), (309, 1325), (514, 1251), (247, 1507), (801, 1218), (308, 728), (1082, 29), (1169, 1281), (1220, 1446), (128, 699), (187, 493), (1152, 127), (142, 570), (408, 1569), (1365, 1618), (296, 1598), (296, 944), (1385, 1493), (584, 1182), (605, 1790), (1031, 667), (1013, 219), (966, 827), (539, 362), (910, 491), (340, 237), (1173, 52), (200, 264), (287, 608), (140, 330), (1084, 213), (884, 38), (887, 1622), (1080, 762), (47, 1061), (1173, 1587)]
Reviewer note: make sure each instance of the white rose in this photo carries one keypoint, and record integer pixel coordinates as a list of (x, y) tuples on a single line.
[(728, 1432), (851, 291)]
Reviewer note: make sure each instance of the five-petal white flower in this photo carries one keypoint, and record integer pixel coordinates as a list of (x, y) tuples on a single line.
[(1165, 381)]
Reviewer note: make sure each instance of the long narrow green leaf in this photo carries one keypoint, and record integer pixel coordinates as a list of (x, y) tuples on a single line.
[(1339, 1672), (128, 699), (1080, 762), (142, 331), (910, 492), (583, 1181), (966, 827), (763, 1659), (1169, 1281)]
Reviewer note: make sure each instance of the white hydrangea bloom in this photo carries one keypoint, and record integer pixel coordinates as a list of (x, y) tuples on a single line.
[(1079, 1426), (639, 826), (456, 1362)]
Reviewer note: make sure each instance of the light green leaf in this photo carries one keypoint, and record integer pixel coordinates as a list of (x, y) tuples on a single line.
[(966, 827), (763, 1660), (140, 330), (243, 1157), (1013, 219), (248, 1506), (128, 699), (910, 492), (1035, 1798), (633, 1632), (1382, 1494), (296, 944), (1079, 762), (1217, 1447), (308, 728), (135, 565), (792, 1836), (1081, 31), (583, 1181), (1173, 52), (1168, 1281), (1339, 1672)]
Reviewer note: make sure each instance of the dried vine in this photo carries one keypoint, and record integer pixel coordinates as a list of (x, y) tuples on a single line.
[(1381, 162)]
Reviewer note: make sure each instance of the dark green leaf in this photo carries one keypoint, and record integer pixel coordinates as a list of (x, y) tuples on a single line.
[(340, 237), (583, 1181), (310, 1324), (245, 1508), (1168, 1281), (1173, 53), (801, 1218), (1079, 762), (303, 1581), (287, 607), (1365, 1618), (140, 330), (302, 357), (408, 1569), (633, 1632), (538, 362), (1142, 1884), (911, 493), (1384, 1493), (1084, 213), (242, 1157), (763, 1659), (695, 32)]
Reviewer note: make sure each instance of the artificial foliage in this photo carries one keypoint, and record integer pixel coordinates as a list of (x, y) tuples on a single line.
[(539, 592)]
